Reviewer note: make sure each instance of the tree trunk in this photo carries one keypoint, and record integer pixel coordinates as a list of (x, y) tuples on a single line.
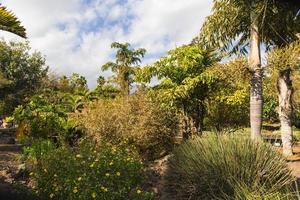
[(285, 110), (200, 117), (256, 99)]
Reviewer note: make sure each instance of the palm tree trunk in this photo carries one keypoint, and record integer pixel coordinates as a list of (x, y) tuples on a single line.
[(285, 92), (256, 99)]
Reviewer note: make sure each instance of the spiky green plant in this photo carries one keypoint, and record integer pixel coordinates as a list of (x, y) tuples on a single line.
[(226, 167), (9, 22)]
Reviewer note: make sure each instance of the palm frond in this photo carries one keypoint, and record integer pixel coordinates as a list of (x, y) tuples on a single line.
[(9, 22)]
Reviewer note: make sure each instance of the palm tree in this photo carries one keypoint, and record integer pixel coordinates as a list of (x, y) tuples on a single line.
[(9, 22), (283, 62), (241, 26), (126, 60)]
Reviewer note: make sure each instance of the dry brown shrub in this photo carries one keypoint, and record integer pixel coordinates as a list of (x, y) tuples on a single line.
[(141, 122)]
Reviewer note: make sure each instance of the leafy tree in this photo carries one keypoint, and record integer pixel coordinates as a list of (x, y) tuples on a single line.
[(23, 70), (3, 81), (126, 60), (78, 83), (184, 83), (227, 102), (9, 22), (100, 81), (104, 89), (242, 25)]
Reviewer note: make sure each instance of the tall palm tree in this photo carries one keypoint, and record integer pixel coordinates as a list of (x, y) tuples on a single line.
[(241, 26), (126, 60), (9, 22)]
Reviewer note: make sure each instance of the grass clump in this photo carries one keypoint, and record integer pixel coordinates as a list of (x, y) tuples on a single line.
[(227, 167)]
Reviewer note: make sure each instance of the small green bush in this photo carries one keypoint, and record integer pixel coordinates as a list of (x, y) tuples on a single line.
[(37, 150), (105, 172), (41, 118), (226, 167)]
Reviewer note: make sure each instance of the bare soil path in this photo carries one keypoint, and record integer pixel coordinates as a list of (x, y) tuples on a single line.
[(8, 169)]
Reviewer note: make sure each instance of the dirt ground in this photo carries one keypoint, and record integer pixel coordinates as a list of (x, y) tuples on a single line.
[(8, 168), (294, 162)]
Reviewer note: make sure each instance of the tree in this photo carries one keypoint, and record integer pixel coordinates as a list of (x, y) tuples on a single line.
[(100, 81), (283, 62), (183, 82), (9, 22), (126, 60), (241, 26), (78, 83), (229, 98), (23, 70), (105, 89)]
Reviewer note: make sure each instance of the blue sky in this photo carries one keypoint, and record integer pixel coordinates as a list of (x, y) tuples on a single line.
[(75, 35)]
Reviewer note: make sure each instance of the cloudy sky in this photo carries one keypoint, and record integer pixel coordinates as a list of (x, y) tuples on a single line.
[(75, 35)]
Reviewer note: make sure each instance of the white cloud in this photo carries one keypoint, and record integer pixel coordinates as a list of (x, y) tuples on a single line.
[(75, 36)]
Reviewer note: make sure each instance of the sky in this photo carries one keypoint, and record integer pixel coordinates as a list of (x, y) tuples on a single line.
[(75, 35)]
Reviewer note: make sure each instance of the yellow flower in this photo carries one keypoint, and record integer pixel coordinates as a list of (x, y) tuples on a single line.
[(55, 175), (104, 189), (107, 174), (45, 170), (78, 156), (94, 195), (79, 178), (31, 174), (114, 149), (118, 174), (95, 151), (128, 159), (138, 191), (92, 165), (51, 195), (111, 163), (75, 190)]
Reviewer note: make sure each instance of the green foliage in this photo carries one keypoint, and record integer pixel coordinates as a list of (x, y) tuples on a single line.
[(41, 118), (184, 82), (283, 58), (9, 119), (9, 22), (227, 104), (226, 167), (105, 89), (36, 151), (181, 73), (146, 124), (228, 27), (269, 110), (90, 172), (78, 83), (126, 60), (23, 72)]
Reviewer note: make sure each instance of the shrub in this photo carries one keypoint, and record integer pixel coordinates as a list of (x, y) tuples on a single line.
[(148, 126), (38, 149), (90, 172), (41, 119), (226, 167)]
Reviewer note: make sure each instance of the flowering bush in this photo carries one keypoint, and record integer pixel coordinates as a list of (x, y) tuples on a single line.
[(90, 172)]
